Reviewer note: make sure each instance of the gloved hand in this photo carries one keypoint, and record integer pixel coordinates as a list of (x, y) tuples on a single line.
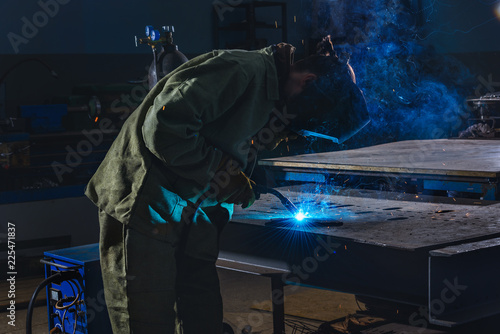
[(233, 186)]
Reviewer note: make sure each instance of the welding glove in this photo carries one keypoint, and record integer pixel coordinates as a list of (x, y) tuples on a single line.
[(231, 185)]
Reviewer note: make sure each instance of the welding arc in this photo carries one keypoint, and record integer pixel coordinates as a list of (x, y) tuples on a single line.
[(260, 189)]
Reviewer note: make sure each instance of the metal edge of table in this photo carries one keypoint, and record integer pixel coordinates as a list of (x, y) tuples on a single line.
[(381, 169)]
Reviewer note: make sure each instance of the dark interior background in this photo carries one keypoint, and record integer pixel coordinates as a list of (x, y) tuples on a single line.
[(92, 42)]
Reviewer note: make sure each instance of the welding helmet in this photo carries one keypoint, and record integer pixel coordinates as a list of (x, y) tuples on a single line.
[(330, 107)]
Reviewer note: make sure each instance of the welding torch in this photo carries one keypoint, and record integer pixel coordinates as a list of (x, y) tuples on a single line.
[(260, 189)]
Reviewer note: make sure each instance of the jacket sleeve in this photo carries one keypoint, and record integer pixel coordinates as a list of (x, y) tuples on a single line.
[(191, 98)]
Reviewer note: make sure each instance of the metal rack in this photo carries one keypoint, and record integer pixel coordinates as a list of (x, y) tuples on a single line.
[(250, 25)]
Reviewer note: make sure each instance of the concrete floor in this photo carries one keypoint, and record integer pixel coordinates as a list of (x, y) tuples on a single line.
[(242, 291), (239, 291)]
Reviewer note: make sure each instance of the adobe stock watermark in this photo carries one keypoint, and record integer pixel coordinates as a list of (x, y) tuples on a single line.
[(223, 6), (130, 101), (453, 118), (85, 147), (437, 306), (325, 248), (371, 31), (486, 84), (95, 306), (30, 26), (95, 137), (278, 121)]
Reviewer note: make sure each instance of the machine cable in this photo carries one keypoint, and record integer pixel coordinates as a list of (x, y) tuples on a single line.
[(57, 278)]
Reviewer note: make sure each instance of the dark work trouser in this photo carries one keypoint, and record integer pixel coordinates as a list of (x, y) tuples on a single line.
[(151, 288)]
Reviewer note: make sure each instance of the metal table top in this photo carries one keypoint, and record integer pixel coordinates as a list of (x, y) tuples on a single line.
[(448, 157), (402, 221)]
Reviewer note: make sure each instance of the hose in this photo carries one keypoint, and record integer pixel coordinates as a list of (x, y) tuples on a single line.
[(57, 277), (260, 189), (39, 288)]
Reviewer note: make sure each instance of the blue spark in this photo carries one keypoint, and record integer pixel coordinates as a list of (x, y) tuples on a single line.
[(300, 216)]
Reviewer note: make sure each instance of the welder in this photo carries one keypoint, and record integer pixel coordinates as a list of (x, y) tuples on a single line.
[(168, 184)]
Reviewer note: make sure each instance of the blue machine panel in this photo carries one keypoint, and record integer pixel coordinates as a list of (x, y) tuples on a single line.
[(45, 118), (77, 305)]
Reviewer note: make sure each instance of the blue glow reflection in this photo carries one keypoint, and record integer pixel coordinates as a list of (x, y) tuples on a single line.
[(300, 216)]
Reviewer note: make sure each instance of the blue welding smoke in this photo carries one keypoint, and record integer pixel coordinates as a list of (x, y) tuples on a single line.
[(412, 91)]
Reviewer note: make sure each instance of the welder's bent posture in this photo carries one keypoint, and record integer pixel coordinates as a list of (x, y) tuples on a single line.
[(189, 138)]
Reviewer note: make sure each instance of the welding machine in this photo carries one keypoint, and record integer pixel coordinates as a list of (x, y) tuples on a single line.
[(75, 299), (75, 293)]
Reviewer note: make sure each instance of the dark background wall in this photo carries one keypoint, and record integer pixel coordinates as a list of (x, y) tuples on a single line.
[(467, 29), (92, 41), (416, 60), (461, 26), (109, 26)]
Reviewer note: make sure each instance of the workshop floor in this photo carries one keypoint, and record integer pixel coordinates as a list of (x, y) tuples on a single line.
[(240, 292), (246, 303)]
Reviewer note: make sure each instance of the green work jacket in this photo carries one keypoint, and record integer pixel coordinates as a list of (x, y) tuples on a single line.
[(169, 148)]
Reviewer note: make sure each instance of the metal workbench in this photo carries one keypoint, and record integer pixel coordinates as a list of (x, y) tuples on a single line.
[(459, 165), (437, 253)]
